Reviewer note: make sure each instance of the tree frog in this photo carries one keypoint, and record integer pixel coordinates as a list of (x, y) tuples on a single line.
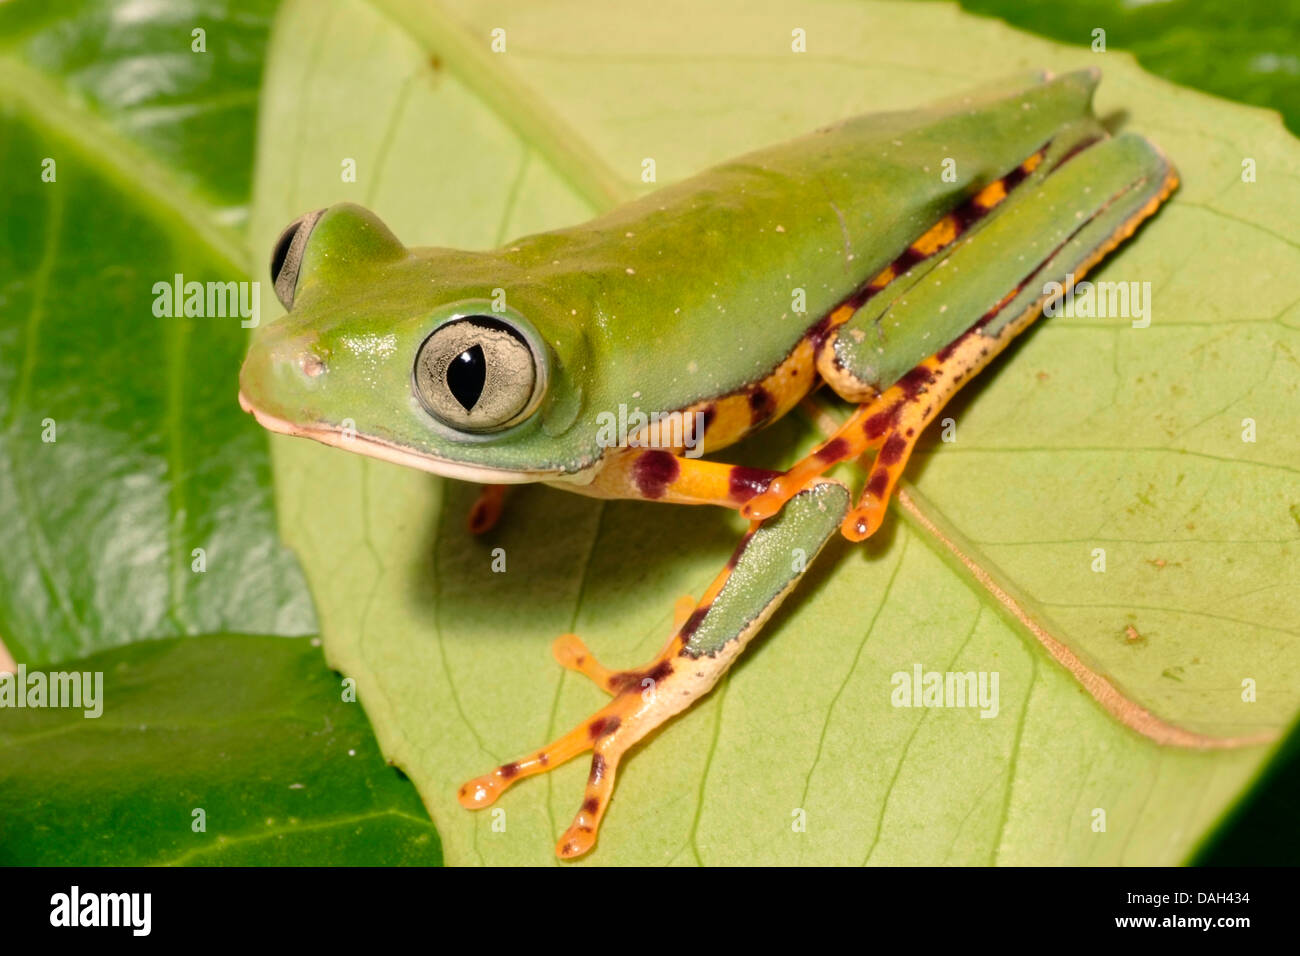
[(889, 257)]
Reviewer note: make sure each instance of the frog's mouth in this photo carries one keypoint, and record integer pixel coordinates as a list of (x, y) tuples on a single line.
[(397, 454)]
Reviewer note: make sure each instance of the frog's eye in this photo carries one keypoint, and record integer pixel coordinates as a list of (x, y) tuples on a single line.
[(286, 258), (478, 374)]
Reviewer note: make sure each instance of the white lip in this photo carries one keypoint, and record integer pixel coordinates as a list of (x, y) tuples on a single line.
[(372, 448)]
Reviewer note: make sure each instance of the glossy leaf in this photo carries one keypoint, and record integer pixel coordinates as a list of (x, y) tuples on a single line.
[(187, 100), (133, 494), (251, 731), (1243, 51)]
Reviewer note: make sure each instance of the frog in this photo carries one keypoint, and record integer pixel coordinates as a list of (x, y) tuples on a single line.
[(887, 258)]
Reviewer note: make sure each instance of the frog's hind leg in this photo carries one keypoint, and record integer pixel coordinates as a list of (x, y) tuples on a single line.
[(890, 424), (1093, 199), (708, 636)]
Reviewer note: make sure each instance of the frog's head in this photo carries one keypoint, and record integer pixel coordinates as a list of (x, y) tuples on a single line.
[(469, 365)]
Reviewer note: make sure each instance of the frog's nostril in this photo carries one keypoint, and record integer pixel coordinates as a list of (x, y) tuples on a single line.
[(311, 364)]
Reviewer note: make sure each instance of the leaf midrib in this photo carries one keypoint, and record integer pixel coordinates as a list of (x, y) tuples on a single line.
[(47, 104)]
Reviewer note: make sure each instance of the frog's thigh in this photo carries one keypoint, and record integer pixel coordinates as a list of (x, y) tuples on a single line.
[(1074, 218), (764, 568)]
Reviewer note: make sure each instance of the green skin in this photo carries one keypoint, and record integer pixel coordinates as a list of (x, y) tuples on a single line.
[(687, 295), (642, 306)]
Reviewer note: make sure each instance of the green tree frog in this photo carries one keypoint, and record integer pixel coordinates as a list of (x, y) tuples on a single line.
[(889, 257)]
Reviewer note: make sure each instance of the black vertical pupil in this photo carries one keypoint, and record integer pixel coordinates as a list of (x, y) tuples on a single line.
[(466, 375)]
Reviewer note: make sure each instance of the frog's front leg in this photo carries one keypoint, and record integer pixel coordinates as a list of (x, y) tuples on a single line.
[(486, 510), (764, 568), (654, 474)]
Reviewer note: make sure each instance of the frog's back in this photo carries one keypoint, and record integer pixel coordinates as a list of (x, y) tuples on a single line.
[(711, 274)]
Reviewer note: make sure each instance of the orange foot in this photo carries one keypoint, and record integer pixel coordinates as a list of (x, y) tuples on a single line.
[(642, 700)]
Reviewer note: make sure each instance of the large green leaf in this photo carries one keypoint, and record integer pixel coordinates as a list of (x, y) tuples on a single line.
[(152, 146), (252, 731), (1090, 434)]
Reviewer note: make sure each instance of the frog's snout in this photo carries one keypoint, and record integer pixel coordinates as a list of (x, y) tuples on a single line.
[(280, 372)]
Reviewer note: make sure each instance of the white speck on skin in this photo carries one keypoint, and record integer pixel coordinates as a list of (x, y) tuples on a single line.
[(371, 344)]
